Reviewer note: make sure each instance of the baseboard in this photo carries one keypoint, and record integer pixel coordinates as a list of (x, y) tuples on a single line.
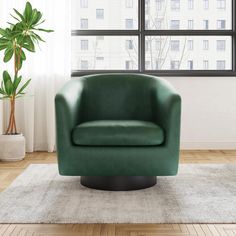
[(208, 145)]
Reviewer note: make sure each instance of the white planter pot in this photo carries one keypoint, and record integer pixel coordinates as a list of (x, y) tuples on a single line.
[(12, 147)]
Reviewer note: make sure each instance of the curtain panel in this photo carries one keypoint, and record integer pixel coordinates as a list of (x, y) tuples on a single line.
[(49, 68)]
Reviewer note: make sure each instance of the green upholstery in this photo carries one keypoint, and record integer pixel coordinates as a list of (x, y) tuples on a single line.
[(117, 97), (118, 133)]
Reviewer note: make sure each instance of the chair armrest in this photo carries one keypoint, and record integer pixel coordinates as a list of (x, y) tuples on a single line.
[(167, 111), (68, 106)]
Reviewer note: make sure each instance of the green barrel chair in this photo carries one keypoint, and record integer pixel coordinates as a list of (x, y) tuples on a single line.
[(118, 131)]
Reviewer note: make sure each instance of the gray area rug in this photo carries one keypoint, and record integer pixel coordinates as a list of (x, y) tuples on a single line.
[(199, 194)]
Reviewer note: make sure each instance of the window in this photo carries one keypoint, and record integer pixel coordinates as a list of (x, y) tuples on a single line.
[(129, 23), (84, 3), (190, 4), (168, 39), (205, 44), (174, 24), (129, 44), (100, 14), (158, 24), (190, 45), (205, 65), (174, 65), (221, 24), (220, 45), (190, 24), (205, 24), (190, 65), (84, 65), (220, 65), (205, 4), (159, 4), (174, 45), (221, 4), (84, 23), (84, 44), (129, 3), (175, 5), (129, 65)]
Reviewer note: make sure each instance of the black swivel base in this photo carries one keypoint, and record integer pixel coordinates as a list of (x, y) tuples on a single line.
[(118, 183)]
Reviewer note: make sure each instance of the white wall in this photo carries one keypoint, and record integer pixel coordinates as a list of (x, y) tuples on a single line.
[(1, 118), (208, 112)]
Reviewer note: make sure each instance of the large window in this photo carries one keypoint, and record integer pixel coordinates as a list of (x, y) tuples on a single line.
[(154, 36)]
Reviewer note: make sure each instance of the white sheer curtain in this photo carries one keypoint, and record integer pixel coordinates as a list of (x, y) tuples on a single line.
[(49, 69)]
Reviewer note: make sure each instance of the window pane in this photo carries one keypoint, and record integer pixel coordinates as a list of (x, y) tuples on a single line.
[(188, 14), (105, 53), (188, 53), (106, 14)]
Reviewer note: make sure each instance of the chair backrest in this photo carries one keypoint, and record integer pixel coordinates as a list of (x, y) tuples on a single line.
[(117, 97)]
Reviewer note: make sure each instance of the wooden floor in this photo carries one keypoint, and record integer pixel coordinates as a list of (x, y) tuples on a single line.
[(9, 171)]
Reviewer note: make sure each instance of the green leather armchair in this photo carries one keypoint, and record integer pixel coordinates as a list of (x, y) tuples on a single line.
[(118, 131)]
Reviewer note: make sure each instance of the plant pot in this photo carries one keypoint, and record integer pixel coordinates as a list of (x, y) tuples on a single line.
[(12, 147)]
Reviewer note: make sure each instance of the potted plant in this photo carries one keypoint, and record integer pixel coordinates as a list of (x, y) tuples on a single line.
[(15, 40)]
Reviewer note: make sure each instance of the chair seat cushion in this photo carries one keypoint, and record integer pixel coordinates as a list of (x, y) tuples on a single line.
[(118, 133)]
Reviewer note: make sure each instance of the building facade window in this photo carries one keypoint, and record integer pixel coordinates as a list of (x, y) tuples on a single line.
[(174, 24), (205, 4), (84, 23), (190, 65), (190, 4), (175, 5), (205, 24), (84, 3), (205, 45), (129, 65), (159, 4), (129, 44), (129, 24), (174, 45), (84, 44), (190, 45), (129, 3), (221, 4), (190, 24), (174, 65), (220, 45), (84, 65), (100, 14), (221, 24), (220, 65), (205, 65)]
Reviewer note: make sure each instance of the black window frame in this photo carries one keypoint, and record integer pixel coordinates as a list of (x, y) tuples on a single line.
[(141, 32)]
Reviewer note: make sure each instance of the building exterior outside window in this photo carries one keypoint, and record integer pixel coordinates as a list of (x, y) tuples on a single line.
[(84, 23), (174, 24), (129, 3), (205, 45), (174, 45), (190, 45), (126, 49), (206, 4), (84, 3), (220, 45), (175, 5), (190, 4), (100, 14), (129, 24), (190, 24), (220, 65), (84, 44), (221, 4), (221, 24)]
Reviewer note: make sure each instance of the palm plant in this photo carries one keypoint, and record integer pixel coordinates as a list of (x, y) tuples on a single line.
[(14, 40)]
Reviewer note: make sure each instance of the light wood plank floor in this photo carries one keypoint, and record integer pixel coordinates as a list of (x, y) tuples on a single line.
[(9, 171)]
